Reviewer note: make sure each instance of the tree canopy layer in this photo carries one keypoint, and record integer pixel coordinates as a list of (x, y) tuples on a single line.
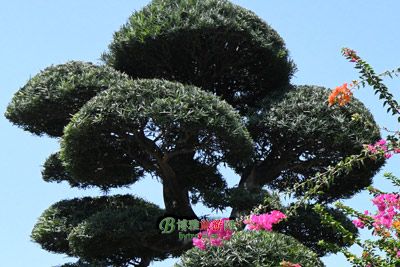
[(215, 45), (49, 99), (297, 135), (116, 229), (188, 87), (147, 124)]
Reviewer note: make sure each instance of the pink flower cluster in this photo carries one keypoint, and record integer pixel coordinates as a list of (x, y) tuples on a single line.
[(215, 234), (359, 223), (388, 209), (217, 231), (381, 146), (264, 221)]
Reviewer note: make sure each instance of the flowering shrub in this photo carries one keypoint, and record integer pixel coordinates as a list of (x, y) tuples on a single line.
[(385, 222), (385, 225), (218, 230), (253, 249)]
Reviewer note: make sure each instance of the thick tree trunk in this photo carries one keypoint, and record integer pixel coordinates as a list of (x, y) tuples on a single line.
[(176, 200), (176, 196), (247, 181), (259, 175)]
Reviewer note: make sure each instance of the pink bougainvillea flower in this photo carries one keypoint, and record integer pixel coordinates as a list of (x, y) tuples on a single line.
[(388, 207), (199, 243), (216, 242), (382, 146), (388, 155), (358, 223), (381, 142), (217, 228), (264, 221), (214, 234)]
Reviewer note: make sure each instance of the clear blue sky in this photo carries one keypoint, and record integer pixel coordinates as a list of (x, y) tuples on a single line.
[(36, 34)]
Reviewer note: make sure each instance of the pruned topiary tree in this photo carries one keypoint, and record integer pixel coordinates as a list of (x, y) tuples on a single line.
[(187, 86)]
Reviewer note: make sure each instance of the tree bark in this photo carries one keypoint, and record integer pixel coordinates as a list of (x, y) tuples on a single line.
[(176, 196), (258, 175)]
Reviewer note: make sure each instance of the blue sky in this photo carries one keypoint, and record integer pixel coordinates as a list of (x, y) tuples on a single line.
[(36, 34)]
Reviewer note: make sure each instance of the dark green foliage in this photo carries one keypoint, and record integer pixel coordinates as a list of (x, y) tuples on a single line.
[(298, 132), (245, 200), (45, 104), (111, 229), (133, 127), (213, 44), (54, 171), (118, 234), (252, 249), (204, 182), (306, 226), (55, 224)]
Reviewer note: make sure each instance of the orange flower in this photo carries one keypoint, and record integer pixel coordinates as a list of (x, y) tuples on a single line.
[(396, 225), (341, 94)]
